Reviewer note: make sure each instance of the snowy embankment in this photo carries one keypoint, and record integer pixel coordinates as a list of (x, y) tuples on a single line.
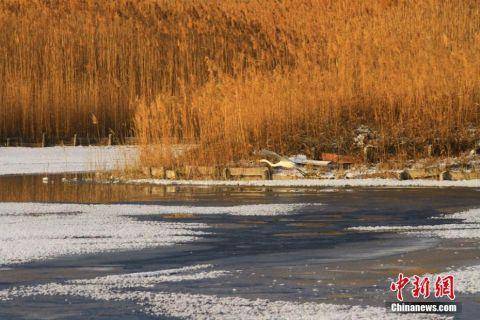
[(38, 231), (51, 160), (312, 183), (65, 159), (140, 289), (467, 279)]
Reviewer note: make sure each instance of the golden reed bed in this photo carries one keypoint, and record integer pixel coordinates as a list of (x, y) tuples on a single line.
[(235, 76)]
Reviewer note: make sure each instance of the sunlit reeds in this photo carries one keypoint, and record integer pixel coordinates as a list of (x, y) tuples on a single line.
[(236, 76), (409, 70), (62, 61)]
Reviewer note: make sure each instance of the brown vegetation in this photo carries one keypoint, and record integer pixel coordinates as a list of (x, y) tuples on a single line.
[(236, 76), (78, 66)]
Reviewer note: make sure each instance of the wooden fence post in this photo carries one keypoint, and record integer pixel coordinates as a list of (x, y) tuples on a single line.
[(44, 140)]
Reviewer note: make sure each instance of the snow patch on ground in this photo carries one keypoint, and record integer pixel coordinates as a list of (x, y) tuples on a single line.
[(194, 306), (65, 159), (37, 231), (313, 183)]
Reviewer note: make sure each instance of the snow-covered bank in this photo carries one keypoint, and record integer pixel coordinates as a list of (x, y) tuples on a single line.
[(52, 160), (65, 159), (312, 183), (140, 288), (37, 231)]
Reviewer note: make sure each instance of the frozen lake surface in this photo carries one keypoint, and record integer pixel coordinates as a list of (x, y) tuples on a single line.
[(170, 252)]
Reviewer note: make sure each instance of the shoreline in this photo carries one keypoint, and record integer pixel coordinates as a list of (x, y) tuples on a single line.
[(302, 183)]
